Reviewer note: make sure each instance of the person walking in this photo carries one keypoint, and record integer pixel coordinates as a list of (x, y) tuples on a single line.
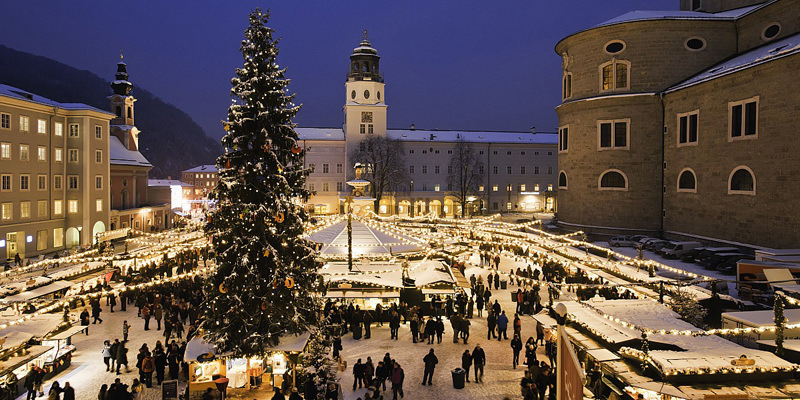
[(69, 391), (358, 374), (502, 326), (158, 312), (491, 324), (414, 329), (106, 354), (516, 347), (479, 304), (146, 315), (430, 330), (398, 376), (146, 370), (478, 361), (394, 325), (160, 362), (30, 379), (114, 347), (430, 361), (126, 328), (367, 319), (439, 330), (466, 362), (539, 333), (517, 325), (490, 278), (122, 357)]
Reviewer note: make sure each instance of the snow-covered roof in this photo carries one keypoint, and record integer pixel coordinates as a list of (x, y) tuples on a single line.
[(366, 241), (389, 275), (203, 168), (166, 182), (647, 15), (417, 135), (772, 51), (12, 92), (120, 155), (761, 318), (320, 133)]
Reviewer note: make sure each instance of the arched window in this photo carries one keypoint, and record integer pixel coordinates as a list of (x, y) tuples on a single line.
[(119, 111), (742, 181), (613, 179), (562, 180), (130, 112), (687, 181), (614, 75)]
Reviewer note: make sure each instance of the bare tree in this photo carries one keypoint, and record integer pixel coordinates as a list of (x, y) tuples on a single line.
[(385, 164), (463, 177)]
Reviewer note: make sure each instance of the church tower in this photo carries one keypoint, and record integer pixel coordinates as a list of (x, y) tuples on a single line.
[(365, 104), (122, 126)]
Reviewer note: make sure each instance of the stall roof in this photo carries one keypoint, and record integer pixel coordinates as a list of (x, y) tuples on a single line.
[(361, 294), (762, 317), (289, 344), (601, 355), (31, 353), (70, 332), (38, 292)]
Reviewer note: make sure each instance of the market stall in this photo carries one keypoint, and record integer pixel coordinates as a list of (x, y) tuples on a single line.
[(60, 356)]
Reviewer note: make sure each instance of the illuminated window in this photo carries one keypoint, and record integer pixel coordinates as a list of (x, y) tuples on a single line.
[(58, 237), (41, 206), (522, 187), (7, 211), (5, 151), (25, 209), (42, 153), (614, 75), (98, 205), (73, 206), (24, 123), (41, 240), (41, 126), (59, 131), (59, 155), (24, 152), (495, 188), (436, 188), (74, 130)]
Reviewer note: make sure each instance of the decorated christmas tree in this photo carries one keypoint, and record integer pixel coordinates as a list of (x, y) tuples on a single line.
[(266, 277)]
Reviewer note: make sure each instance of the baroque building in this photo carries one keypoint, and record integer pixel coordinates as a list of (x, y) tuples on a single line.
[(684, 124), (518, 170)]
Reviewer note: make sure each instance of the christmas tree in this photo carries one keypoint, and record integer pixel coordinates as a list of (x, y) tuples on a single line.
[(266, 277)]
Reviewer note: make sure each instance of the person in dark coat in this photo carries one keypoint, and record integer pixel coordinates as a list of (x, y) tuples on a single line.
[(439, 330), (30, 379), (491, 323), (358, 374), (367, 319), (160, 360), (394, 325), (310, 389), (430, 361), (516, 347), (397, 377), (466, 362), (479, 361), (69, 392), (122, 357), (414, 329)]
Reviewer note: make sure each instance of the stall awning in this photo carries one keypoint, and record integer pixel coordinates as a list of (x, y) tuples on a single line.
[(32, 353), (359, 294), (39, 292), (601, 355), (289, 344), (69, 332), (15, 339)]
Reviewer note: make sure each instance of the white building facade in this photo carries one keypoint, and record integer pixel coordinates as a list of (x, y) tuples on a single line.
[(519, 169)]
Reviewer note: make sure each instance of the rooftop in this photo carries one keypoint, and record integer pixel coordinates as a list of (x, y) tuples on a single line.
[(647, 15), (203, 168), (120, 155), (423, 135), (19, 94)]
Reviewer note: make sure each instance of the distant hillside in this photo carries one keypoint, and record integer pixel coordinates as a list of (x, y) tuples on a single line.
[(169, 139)]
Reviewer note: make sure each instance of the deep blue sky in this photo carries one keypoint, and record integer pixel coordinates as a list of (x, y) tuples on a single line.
[(456, 64)]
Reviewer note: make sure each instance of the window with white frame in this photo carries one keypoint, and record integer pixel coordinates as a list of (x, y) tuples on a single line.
[(98, 156), (688, 127), (58, 207), (615, 75), (98, 132), (98, 205), (742, 180), (98, 182), (74, 130), (58, 237), (508, 169), (41, 182), (522, 187), (325, 187), (563, 139), (495, 188), (5, 151), (494, 169), (743, 119), (339, 186), (338, 168), (5, 183), (566, 86), (24, 123), (59, 129), (436, 169), (41, 126), (41, 206), (41, 240), (57, 182), (424, 169), (410, 169), (613, 134), (509, 188), (5, 121), (522, 170), (72, 206), (536, 187), (549, 170), (325, 168), (613, 179), (72, 182), (7, 211), (25, 209), (73, 155), (24, 182), (41, 152), (24, 152), (687, 181)]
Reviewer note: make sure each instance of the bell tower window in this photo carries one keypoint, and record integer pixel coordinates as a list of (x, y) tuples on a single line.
[(118, 111), (130, 112)]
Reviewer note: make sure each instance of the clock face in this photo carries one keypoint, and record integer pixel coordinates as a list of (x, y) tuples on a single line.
[(366, 94), (353, 94)]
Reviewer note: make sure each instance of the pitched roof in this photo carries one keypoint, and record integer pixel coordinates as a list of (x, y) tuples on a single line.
[(165, 182), (19, 94), (772, 51), (120, 155), (647, 15), (320, 133), (422, 135), (203, 168)]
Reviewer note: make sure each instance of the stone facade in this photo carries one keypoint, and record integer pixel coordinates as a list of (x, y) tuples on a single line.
[(709, 95)]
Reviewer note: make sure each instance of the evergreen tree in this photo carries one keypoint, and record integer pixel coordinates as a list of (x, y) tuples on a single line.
[(780, 323), (266, 275)]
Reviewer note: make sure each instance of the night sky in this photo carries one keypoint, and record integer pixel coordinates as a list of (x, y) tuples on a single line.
[(458, 64)]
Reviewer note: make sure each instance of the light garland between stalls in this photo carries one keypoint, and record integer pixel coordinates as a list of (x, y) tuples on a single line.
[(639, 355)]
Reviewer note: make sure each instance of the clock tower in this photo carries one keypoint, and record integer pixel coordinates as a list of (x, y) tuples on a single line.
[(365, 104)]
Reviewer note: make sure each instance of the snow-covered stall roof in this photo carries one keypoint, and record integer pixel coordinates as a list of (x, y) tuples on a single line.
[(289, 343), (772, 51), (38, 292), (707, 353), (366, 241), (761, 318), (424, 273)]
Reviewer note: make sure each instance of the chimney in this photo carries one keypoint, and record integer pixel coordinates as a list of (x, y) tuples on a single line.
[(412, 127)]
